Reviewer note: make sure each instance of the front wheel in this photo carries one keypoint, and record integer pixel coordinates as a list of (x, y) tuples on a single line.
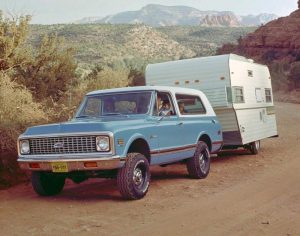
[(133, 178), (198, 166), (254, 147), (47, 184)]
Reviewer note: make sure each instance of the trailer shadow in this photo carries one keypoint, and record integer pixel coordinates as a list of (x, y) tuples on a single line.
[(227, 155)]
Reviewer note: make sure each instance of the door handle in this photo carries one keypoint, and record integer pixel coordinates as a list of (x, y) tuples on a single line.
[(180, 123)]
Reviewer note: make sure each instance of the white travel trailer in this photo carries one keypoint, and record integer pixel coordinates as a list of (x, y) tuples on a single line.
[(239, 90)]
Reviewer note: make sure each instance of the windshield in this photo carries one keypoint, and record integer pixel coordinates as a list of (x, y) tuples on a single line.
[(130, 103)]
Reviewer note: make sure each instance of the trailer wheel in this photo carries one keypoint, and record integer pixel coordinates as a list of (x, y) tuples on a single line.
[(133, 178), (47, 184), (198, 166), (254, 147)]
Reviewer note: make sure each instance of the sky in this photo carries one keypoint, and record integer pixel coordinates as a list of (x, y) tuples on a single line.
[(67, 11)]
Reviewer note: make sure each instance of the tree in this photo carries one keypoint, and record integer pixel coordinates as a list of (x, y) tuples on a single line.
[(46, 71), (13, 51), (50, 70), (136, 77)]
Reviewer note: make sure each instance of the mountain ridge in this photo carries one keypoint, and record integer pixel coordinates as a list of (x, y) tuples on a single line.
[(156, 15)]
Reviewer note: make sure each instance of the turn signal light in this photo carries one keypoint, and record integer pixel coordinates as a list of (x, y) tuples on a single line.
[(90, 164), (34, 165)]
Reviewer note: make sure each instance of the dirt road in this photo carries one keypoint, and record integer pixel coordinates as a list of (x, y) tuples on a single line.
[(243, 195)]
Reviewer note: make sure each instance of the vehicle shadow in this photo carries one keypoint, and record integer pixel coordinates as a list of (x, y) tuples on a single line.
[(91, 190), (106, 189)]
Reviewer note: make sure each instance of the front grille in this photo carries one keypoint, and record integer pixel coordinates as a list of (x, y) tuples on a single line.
[(63, 145)]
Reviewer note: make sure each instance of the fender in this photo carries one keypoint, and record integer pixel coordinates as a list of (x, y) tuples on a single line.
[(131, 140)]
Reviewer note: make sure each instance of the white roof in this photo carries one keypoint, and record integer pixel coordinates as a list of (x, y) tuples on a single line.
[(146, 88)]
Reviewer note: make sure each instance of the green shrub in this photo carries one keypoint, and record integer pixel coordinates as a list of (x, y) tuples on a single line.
[(17, 111)]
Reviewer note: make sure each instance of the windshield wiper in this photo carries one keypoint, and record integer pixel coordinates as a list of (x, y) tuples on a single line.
[(115, 114), (86, 116)]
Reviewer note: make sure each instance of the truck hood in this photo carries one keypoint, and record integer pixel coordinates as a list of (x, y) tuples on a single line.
[(86, 125)]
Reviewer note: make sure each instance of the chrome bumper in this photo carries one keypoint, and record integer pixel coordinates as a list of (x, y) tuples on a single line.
[(73, 164)]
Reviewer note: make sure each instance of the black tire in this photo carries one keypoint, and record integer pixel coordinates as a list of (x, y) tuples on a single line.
[(133, 178), (254, 147), (198, 166), (47, 184)]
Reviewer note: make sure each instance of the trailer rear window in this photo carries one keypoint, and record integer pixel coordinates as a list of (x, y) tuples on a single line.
[(258, 95), (268, 95), (238, 95), (190, 105)]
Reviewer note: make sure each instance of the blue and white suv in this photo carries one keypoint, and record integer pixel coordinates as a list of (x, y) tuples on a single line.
[(120, 133)]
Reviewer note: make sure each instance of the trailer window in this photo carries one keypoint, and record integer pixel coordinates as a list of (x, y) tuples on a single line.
[(268, 95), (258, 94), (238, 95), (250, 73), (190, 105)]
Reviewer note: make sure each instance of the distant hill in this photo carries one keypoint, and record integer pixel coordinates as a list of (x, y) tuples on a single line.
[(115, 45), (158, 15), (136, 45), (257, 20)]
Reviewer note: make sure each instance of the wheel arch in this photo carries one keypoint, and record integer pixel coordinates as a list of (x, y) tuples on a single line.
[(140, 145), (205, 138)]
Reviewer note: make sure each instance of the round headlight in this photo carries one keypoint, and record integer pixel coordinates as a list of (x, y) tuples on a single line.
[(102, 144), (24, 147)]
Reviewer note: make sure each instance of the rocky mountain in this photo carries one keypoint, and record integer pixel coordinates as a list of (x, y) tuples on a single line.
[(277, 44), (277, 39), (227, 19), (158, 15)]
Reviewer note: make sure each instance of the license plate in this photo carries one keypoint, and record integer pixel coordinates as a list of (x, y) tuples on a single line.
[(59, 167)]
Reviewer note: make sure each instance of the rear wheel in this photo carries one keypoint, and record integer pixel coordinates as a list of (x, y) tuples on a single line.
[(198, 166), (254, 147), (47, 184), (133, 178)]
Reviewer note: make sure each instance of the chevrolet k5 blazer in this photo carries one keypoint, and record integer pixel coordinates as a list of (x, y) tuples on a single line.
[(119, 133)]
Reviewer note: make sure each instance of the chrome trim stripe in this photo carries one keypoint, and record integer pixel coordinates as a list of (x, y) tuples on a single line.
[(217, 142), (172, 150)]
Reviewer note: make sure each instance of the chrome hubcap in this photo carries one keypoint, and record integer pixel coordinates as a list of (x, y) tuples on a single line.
[(137, 176), (257, 145), (202, 162)]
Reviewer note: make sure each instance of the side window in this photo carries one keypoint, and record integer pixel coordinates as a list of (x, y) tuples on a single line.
[(163, 103), (258, 95), (268, 95), (190, 104), (238, 94)]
